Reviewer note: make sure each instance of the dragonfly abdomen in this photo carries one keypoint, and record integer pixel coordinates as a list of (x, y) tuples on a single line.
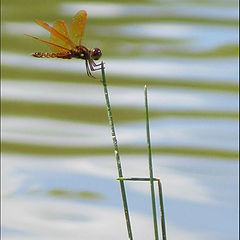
[(52, 55)]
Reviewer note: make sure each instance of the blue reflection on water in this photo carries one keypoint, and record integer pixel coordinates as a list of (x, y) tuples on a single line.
[(219, 178)]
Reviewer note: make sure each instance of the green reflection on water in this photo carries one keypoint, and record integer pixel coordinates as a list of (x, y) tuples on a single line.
[(16, 11), (64, 193), (11, 147), (51, 76), (94, 114)]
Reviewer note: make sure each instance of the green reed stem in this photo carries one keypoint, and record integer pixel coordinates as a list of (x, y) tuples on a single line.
[(154, 211), (164, 233), (116, 151)]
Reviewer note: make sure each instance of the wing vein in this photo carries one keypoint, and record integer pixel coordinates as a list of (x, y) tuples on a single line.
[(56, 33)]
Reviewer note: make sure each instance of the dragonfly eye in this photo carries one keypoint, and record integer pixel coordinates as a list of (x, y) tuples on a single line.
[(96, 53)]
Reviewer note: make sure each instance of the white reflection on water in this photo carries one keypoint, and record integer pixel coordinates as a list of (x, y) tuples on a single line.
[(160, 98), (51, 219), (199, 36), (19, 28), (39, 131), (193, 188), (114, 10), (188, 132), (213, 70)]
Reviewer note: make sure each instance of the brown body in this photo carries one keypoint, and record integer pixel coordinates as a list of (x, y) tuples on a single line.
[(81, 52)]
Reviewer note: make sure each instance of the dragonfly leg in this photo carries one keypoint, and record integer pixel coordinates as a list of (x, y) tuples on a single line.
[(88, 70), (88, 64), (97, 65), (93, 66)]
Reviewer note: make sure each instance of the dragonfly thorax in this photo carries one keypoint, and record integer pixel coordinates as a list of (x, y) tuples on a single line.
[(80, 52)]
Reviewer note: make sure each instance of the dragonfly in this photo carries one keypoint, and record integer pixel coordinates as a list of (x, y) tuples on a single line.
[(68, 45)]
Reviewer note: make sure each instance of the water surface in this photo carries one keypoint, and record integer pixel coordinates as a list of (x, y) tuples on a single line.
[(59, 169)]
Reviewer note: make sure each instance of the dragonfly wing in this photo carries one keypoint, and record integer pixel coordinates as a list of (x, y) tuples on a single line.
[(77, 27), (59, 26), (56, 33), (52, 45)]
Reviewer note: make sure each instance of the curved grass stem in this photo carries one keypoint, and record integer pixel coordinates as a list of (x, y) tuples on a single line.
[(117, 155)]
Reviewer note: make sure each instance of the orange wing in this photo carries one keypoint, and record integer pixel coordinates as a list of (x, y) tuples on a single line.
[(52, 45), (60, 27), (77, 27), (53, 31)]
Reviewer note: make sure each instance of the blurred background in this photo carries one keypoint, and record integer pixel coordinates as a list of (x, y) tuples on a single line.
[(58, 164)]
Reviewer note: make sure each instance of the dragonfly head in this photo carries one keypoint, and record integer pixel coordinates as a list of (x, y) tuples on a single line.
[(95, 53)]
